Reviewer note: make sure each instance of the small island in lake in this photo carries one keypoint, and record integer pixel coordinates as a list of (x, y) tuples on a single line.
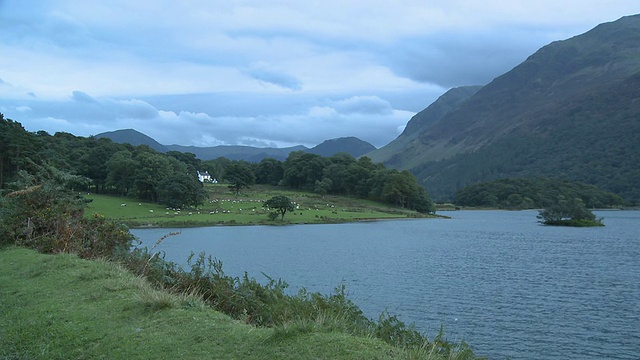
[(571, 212)]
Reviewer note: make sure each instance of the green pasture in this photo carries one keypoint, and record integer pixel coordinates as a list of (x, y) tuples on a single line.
[(226, 208)]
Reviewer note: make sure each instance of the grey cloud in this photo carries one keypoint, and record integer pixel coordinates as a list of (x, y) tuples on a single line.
[(456, 59), (111, 108), (82, 97), (136, 109), (274, 77), (363, 105)]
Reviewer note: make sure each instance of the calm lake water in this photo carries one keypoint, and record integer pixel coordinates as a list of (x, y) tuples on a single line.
[(507, 285)]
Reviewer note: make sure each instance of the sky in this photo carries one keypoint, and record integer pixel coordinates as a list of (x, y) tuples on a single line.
[(263, 73)]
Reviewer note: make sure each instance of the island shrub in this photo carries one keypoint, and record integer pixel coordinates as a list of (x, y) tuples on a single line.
[(570, 212)]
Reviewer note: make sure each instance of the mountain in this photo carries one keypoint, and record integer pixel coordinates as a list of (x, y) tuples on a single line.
[(351, 145), (133, 137), (408, 143), (571, 110), (236, 152)]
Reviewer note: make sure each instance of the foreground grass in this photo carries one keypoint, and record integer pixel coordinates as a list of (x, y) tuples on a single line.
[(226, 208), (61, 307)]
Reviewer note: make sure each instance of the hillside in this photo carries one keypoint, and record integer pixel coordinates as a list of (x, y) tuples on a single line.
[(350, 145), (571, 110), (405, 151), (133, 137)]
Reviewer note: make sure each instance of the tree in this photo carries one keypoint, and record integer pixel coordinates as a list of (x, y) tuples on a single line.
[(94, 162), (153, 168), (180, 190), (18, 149), (189, 159), (269, 171), (121, 168), (303, 169), (323, 187), (280, 203), (239, 176), (568, 212)]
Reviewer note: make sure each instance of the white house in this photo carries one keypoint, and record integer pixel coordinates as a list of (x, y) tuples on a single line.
[(204, 176)]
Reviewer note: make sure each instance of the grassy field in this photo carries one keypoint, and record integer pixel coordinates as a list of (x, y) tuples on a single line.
[(63, 307), (226, 208)]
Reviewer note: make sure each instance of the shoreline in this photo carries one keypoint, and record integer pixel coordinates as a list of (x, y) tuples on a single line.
[(337, 221)]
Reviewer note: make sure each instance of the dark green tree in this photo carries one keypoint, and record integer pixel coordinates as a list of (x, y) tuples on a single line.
[(94, 162), (301, 170), (400, 188), (280, 204), (239, 176), (323, 187), (154, 167), (121, 168), (18, 149), (189, 159), (269, 171), (570, 211), (181, 190)]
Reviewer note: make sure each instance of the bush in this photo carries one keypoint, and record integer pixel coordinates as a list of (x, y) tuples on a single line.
[(50, 219), (568, 212)]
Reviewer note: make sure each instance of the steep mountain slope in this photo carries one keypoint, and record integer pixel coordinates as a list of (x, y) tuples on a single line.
[(350, 145), (405, 151), (571, 110), (133, 137)]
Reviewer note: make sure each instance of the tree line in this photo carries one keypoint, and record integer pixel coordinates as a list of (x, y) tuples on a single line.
[(521, 193), (171, 178)]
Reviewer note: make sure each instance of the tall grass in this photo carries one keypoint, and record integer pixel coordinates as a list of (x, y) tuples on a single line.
[(246, 299)]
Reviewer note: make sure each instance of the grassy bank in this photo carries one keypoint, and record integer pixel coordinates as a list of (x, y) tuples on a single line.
[(61, 307), (226, 208)]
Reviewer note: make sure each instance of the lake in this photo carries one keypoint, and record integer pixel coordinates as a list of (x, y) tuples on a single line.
[(500, 281)]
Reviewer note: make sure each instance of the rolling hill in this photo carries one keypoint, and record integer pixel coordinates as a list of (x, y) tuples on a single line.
[(571, 110), (133, 137), (351, 145)]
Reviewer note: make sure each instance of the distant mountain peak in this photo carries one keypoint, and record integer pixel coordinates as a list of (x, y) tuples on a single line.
[(133, 137), (351, 145)]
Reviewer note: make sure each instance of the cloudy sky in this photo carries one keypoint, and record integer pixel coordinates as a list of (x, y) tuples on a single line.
[(263, 73)]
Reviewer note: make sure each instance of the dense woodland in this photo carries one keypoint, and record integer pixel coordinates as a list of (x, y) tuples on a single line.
[(103, 166), (520, 193)]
